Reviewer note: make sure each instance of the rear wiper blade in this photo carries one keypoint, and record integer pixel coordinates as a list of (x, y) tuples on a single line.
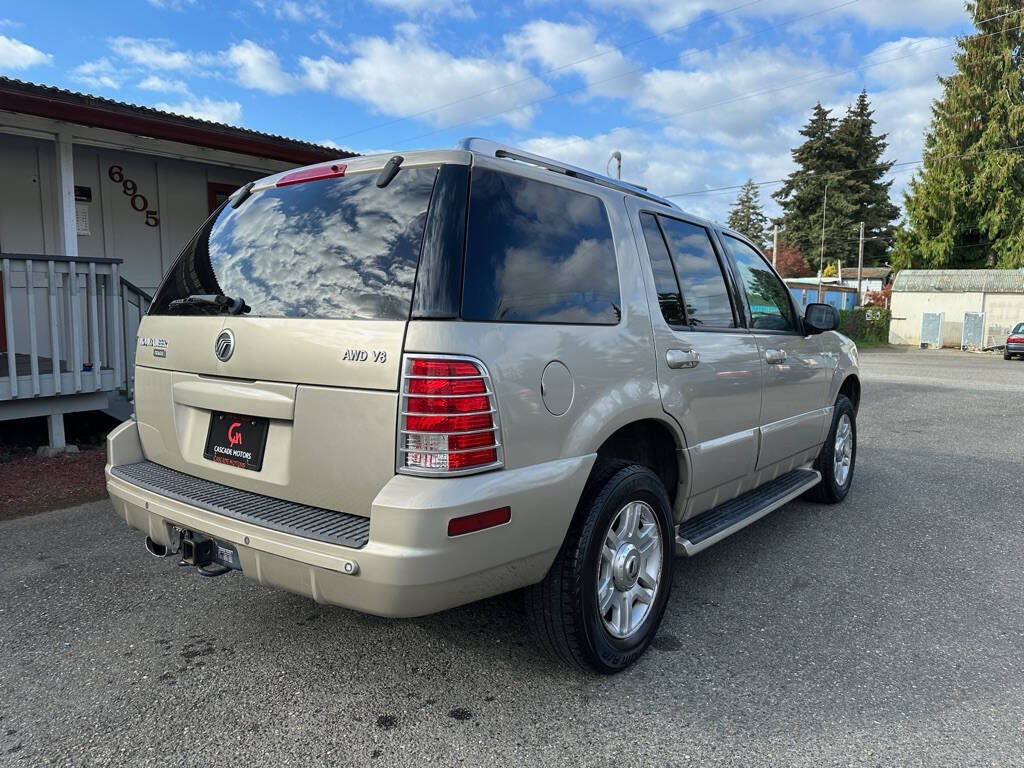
[(213, 301)]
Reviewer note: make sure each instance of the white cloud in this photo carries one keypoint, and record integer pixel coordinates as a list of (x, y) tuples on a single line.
[(405, 77), (320, 36), (206, 109), (667, 167), (259, 68), (659, 15), (926, 14), (163, 85), (457, 8), (730, 96), (99, 74), (663, 15), (15, 54), (564, 49), (647, 158), (154, 54), (910, 61), (171, 5), (290, 10)]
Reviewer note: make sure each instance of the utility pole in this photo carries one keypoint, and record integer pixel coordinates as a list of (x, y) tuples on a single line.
[(775, 245), (860, 264), (821, 259)]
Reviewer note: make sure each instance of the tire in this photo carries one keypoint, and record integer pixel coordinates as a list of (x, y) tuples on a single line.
[(564, 610), (1007, 356), (830, 490)]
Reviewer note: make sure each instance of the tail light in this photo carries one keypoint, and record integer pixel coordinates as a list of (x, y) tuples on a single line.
[(448, 422), (1015, 340)]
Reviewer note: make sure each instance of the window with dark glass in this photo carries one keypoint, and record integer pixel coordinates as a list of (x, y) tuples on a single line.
[(664, 275), (337, 248), (705, 294), (537, 253), (768, 297)]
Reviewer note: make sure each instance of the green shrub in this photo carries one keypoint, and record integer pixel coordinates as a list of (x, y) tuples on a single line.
[(865, 324)]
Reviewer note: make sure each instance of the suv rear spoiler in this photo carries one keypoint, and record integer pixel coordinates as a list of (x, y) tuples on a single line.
[(487, 147)]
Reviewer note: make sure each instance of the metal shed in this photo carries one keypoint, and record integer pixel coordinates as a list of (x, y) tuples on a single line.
[(998, 294)]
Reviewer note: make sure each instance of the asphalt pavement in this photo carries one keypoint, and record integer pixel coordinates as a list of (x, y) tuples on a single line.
[(888, 630)]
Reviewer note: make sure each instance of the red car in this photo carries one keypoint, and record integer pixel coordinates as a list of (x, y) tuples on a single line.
[(1015, 342)]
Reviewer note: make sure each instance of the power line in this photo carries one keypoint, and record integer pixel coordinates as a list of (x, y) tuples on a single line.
[(844, 172), (742, 97), (993, 18), (688, 55), (559, 68), (607, 51), (732, 187)]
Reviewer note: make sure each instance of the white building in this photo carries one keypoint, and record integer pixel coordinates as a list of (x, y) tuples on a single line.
[(872, 279), (97, 198), (998, 294)]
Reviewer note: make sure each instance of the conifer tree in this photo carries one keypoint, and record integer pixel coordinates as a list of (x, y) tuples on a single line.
[(966, 206), (862, 152), (747, 217), (818, 184)]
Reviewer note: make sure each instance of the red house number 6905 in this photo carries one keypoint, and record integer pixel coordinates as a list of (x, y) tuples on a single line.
[(137, 200)]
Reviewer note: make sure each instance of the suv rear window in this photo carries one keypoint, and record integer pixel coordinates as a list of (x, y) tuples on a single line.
[(537, 253), (338, 248)]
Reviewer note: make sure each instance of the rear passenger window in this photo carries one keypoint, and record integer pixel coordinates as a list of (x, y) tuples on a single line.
[(537, 253), (664, 276), (705, 295)]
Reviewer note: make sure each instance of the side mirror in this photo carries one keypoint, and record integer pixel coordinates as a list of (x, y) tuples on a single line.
[(819, 318)]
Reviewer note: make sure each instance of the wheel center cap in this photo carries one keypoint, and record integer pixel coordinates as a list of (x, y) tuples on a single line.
[(626, 567)]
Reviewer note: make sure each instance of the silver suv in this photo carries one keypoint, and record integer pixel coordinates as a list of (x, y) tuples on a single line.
[(401, 384)]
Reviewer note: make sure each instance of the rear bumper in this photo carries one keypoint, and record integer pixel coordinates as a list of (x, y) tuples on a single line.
[(1015, 349), (409, 566)]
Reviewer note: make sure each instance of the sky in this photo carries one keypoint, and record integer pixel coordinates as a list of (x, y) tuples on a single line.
[(695, 94)]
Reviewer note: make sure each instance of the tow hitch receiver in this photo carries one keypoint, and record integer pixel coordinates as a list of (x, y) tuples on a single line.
[(199, 551)]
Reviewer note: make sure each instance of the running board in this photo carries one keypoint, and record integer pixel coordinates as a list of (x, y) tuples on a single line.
[(709, 527)]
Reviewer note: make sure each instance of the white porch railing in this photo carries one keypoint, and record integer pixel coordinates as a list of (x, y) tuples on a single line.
[(66, 325)]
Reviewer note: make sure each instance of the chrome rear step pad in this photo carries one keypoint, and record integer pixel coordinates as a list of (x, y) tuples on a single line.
[(712, 526)]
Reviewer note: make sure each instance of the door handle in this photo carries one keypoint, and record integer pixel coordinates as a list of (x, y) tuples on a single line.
[(775, 356), (682, 358)]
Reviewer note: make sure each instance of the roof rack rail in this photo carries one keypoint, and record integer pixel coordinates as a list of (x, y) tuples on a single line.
[(488, 147)]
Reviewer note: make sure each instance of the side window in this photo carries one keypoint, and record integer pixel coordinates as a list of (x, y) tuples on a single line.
[(705, 295), (537, 253), (664, 276), (768, 297)]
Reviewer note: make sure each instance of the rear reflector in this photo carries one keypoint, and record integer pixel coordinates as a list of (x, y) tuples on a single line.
[(312, 174), (477, 522), (449, 417)]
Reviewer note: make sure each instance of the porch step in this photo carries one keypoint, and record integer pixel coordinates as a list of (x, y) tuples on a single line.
[(712, 526)]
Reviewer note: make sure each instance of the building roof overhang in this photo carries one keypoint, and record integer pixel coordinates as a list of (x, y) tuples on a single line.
[(70, 106)]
